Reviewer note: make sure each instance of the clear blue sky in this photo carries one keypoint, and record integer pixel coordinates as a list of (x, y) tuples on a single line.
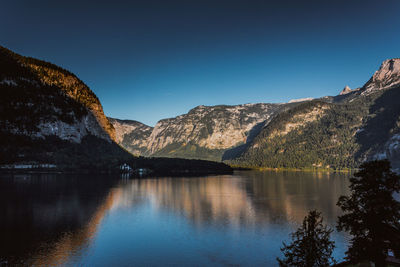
[(148, 60)]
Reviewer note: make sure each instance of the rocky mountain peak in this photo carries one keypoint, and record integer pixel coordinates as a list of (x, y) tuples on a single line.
[(345, 90), (387, 76)]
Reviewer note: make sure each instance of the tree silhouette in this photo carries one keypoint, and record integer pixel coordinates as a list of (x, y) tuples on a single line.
[(371, 214), (311, 245)]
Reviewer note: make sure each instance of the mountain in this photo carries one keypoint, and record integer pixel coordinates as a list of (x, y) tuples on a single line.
[(334, 132), (387, 76), (208, 132), (205, 132), (359, 125), (132, 135), (68, 108), (50, 118), (345, 90)]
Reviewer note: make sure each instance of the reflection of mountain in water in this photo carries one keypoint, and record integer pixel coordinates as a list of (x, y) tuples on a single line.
[(45, 219), (290, 195), (217, 199), (49, 220), (243, 199)]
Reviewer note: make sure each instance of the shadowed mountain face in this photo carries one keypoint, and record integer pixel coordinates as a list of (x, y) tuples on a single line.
[(48, 115), (330, 132), (58, 103), (50, 215)]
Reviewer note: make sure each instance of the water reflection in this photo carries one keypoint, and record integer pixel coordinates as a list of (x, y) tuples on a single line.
[(288, 196), (47, 218), (57, 220), (243, 199)]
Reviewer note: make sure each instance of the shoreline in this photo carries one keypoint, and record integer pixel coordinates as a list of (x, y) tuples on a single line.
[(157, 173), (330, 170)]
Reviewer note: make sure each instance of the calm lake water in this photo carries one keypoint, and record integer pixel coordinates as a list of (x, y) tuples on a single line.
[(238, 219)]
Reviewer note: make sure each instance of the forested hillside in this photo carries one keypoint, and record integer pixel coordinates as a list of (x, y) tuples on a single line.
[(339, 132)]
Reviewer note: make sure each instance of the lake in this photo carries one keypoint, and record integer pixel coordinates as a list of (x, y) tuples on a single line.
[(89, 220)]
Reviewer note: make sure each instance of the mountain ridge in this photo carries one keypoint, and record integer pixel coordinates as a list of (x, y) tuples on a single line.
[(216, 129), (362, 99), (361, 125), (49, 115)]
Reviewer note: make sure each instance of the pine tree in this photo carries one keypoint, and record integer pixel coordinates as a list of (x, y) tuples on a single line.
[(311, 245), (371, 214)]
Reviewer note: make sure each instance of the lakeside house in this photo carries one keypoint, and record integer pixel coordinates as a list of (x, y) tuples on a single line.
[(125, 167)]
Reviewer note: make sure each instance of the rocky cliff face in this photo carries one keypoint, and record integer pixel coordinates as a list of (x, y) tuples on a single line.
[(387, 76), (215, 127), (77, 90), (132, 135), (59, 104), (345, 90), (205, 132)]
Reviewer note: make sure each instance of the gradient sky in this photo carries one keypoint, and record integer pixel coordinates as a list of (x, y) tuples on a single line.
[(148, 60)]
